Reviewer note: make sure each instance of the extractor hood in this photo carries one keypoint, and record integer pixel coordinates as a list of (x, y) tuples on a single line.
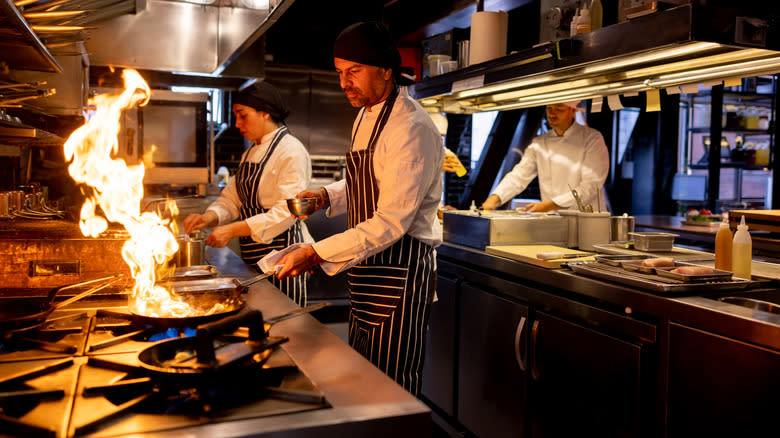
[(688, 44), (197, 36)]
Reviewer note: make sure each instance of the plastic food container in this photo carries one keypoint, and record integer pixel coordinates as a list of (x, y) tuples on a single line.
[(653, 241)]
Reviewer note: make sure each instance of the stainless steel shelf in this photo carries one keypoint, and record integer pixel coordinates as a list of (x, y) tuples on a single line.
[(20, 48)]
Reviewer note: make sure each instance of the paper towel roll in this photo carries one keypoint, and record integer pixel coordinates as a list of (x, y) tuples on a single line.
[(488, 36)]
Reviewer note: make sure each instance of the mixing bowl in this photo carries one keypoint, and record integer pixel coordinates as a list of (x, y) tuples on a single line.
[(302, 206)]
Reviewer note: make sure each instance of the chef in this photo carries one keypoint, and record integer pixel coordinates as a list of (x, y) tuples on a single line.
[(391, 195), (568, 156), (253, 205)]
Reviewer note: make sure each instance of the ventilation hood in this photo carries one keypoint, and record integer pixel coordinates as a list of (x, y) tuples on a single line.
[(179, 36), (685, 45)]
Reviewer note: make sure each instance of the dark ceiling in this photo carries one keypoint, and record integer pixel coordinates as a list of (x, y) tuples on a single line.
[(305, 33)]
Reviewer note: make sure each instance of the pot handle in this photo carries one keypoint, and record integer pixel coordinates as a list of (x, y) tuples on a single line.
[(204, 343)]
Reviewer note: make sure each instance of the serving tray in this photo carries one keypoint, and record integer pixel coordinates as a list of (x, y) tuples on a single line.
[(654, 282)]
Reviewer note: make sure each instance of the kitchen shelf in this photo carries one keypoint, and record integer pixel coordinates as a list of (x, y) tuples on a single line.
[(730, 165), (20, 48), (745, 131)]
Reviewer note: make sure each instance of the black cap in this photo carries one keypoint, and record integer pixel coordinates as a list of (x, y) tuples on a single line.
[(263, 96), (369, 43)]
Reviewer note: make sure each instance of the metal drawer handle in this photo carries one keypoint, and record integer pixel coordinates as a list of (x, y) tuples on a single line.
[(518, 337), (535, 373)]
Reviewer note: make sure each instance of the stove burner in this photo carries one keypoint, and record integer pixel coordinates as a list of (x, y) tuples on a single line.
[(63, 335)]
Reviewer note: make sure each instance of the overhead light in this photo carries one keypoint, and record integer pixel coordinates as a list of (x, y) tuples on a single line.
[(200, 2), (614, 76), (256, 4)]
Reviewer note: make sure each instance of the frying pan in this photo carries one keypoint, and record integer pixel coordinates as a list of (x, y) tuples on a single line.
[(28, 313), (202, 296), (211, 351)]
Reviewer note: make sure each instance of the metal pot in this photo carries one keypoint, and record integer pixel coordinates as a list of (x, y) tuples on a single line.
[(620, 227), (192, 250)]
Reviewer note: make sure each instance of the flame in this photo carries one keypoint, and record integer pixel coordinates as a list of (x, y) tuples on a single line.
[(117, 189)]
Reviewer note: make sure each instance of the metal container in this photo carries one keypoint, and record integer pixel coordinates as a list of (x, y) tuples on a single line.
[(620, 226), (192, 251), (504, 227), (653, 241)]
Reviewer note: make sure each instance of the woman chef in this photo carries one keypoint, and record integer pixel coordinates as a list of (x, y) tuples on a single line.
[(275, 167)]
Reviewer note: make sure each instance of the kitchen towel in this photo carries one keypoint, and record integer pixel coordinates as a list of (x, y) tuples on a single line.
[(271, 260), (488, 36)]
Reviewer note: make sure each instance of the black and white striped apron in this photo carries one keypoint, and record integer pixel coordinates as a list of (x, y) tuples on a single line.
[(247, 183), (390, 292)]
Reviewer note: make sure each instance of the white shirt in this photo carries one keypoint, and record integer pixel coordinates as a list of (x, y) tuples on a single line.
[(287, 172), (578, 158), (407, 161)]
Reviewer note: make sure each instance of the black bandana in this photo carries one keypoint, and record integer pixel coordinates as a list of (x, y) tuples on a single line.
[(370, 43), (263, 96)]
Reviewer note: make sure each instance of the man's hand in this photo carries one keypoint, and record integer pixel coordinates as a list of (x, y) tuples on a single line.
[(195, 222), (491, 203), (322, 199), (541, 206), (298, 262), (220, 236), (451, 163)]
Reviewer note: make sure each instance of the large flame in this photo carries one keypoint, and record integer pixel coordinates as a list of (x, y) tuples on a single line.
[(118, 190)]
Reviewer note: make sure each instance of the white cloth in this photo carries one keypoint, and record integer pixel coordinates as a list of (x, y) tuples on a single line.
[(579, 158), (270, 263), (287, 172), (408, 158)]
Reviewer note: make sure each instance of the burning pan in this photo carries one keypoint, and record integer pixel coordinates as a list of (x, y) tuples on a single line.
[(209, 299)]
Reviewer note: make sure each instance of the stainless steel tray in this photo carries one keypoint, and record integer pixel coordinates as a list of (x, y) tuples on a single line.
[(717, 275), (618, 259), (653, 282), (192, 273)]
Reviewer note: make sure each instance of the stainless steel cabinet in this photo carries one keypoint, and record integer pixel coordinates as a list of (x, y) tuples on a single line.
[(492, 383), (584, 382), (720, 386), (438, 383)]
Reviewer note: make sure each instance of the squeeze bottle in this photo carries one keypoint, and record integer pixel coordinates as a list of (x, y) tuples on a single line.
[(742, 251), (723, 247), (596, 13)]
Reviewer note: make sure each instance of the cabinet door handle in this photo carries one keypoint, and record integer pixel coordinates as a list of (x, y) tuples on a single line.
[(535, 373), (521, 361)]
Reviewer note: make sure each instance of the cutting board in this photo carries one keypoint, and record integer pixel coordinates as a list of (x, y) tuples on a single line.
[(527, 254)]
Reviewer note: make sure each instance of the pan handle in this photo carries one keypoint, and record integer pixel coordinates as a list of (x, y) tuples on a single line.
[(257, 278), (207, 332), (296, 312)]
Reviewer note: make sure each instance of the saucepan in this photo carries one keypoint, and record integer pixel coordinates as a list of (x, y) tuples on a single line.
[(209, 299)]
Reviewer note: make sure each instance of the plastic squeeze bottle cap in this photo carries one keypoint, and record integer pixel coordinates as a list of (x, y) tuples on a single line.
[(725, 223), (742, 225)]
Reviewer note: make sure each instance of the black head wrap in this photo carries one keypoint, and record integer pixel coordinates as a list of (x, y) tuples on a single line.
[(263, 96), (369, 43)]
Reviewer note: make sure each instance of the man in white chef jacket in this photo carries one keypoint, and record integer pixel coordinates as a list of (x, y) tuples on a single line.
[(568, 156), (391, 196)]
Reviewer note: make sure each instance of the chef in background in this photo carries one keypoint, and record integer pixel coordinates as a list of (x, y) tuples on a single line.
[(391, 195), (253, 205), (568, 156)]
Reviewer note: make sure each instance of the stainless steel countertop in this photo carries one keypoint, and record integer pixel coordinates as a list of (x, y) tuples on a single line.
[(705, 313), (365, 402)]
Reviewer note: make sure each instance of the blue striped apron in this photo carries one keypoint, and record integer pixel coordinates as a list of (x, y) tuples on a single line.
[(390, 292), (247, 183)]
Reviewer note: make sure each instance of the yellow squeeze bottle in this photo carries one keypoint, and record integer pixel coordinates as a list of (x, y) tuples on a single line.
[(742, 253)]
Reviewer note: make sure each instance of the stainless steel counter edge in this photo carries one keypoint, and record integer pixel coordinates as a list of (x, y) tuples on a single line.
[(364, 401), (730, 320)]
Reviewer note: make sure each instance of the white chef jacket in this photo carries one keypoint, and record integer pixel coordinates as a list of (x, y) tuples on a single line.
[(287, 172), (579, 158), (408, 158)]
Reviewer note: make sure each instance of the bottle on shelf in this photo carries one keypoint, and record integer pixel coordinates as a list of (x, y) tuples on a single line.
[(583, 23), (723, 246), (742, 251), (596, 14), (574, 20)]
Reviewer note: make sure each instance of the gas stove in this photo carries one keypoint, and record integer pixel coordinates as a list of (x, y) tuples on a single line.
[(79, 374)]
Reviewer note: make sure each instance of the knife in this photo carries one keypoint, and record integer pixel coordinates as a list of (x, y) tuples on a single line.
[(559, 255)]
